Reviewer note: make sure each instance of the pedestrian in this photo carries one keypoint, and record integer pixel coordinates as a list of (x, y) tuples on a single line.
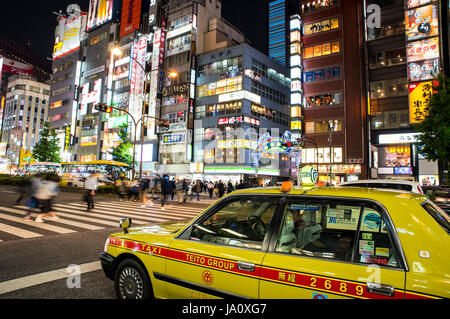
[(230, 187), (32, 202), (186, 189), (145, 187), (122, 188), (164, 190), (196, 188), (45, 193), (90, 186), (221, 188), (134, 190), (24, 190), (210, 186), (179, 189), (172, 188)]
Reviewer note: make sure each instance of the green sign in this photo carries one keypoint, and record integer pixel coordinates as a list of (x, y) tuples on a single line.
[(117, 121)]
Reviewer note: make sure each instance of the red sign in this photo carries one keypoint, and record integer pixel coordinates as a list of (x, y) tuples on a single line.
[(131, 16)]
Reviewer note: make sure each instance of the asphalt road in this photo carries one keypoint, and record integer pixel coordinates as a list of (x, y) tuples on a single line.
[(36, 259)]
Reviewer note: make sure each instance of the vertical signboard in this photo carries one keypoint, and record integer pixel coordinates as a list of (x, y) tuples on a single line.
[(422, 53), (131, 16), (296, 79), (153, 13)]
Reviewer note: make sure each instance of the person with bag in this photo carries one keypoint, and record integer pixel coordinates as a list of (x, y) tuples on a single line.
[(32, 202), (90, 186), (45, 193), (196, 187), (210, 189)]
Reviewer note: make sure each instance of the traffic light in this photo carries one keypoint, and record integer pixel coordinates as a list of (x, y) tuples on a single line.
[(164, 123), (103, 108)]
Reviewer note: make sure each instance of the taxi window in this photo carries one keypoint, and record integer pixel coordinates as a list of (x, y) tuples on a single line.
[(319, 229), (374, 243), (240, 223), (337, 231)]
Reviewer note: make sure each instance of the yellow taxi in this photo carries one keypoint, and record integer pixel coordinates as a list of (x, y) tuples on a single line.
[(289, 243)]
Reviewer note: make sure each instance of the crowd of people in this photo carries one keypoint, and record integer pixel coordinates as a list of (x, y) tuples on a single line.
[(39, 191)]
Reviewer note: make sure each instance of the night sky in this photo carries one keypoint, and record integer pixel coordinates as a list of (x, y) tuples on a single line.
[(32, 20)]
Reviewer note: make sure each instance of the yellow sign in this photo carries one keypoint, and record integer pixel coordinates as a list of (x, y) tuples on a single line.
[(418, 95)]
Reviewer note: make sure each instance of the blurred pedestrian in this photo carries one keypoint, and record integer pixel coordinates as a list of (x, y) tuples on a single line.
[(172, 188), (122, 188), (179, 189), (165, 188), (134, 190), (45, 193), (210, 186), (230, 187), (185, 189), (90, 186), (196, 188), (31, 202), (145, 187), (221, 188)]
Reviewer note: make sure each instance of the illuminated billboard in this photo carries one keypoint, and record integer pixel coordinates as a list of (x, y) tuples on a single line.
[(415, 3), (15, 67), (418, 95), (69, 32), (131, 16), (422, 50), (422, 22), (100, 11), (423, 70)]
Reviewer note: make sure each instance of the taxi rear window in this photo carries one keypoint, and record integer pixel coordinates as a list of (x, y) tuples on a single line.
[(438, 214)]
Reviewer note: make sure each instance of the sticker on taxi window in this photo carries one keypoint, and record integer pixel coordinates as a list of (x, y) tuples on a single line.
[(366, 247), (383, 252), (304, 207), (372, 221), (367, 236)]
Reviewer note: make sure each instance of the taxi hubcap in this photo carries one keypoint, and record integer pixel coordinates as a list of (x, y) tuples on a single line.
[(131, 284)]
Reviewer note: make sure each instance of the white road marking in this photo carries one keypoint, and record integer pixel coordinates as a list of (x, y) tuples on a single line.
[(18, 231), (46, 277)]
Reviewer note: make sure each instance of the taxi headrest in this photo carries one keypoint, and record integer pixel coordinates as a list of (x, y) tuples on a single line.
[(286, 187)]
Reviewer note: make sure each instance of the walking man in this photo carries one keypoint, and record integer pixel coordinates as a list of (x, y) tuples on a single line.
[(90, 185), (210, 189), (180, 190), (145, 187), (164, 190)]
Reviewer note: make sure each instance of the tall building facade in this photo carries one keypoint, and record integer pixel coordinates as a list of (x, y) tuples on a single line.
[(279, 13), (26, 109), (327, 70), (406, 47), (242, 94), (65, 81)]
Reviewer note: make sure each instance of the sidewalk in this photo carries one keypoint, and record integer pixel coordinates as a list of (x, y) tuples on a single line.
[(204, 200)]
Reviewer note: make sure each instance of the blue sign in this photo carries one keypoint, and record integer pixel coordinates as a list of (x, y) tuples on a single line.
[(174, 138), (402, 170)]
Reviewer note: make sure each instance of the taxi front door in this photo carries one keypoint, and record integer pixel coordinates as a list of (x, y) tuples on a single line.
[(221, 255), (320, 261)]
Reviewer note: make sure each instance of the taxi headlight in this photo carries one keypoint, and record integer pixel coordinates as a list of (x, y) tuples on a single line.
[(106, 245)]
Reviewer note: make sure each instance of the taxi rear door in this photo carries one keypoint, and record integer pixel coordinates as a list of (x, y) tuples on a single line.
[(220, 254), (333, 248)]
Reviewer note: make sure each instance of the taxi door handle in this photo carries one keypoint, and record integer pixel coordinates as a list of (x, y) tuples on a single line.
[(246, 266), (380, 289)]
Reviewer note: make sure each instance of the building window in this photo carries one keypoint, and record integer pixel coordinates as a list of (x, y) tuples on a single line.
[(387, 58), (321, 26), (319, 50), (322, 74), (328, 99), (322, 127), (385, 31), (311, 6), (388, 88)]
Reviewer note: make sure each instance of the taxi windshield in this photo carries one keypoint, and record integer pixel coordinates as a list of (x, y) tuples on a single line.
[(438, 214)]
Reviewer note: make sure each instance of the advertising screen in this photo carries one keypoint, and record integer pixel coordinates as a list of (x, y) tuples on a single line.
[(423, 70), (395, 156), (415, 3), (69, 34), (100, 11), (418, 93), (422, 50), (131, 16), (422, 22)]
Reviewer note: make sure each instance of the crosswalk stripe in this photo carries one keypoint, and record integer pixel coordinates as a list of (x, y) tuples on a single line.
[(162, 216), (19, 232), (117, 217), (67, 222), (149, 210), (156, 205), (56, 229)]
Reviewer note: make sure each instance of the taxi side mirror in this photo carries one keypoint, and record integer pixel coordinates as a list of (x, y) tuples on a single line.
[(125, 223)]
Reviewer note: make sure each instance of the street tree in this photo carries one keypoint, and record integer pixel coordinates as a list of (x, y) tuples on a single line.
[(122, 153), (435, 128), (47, 148)]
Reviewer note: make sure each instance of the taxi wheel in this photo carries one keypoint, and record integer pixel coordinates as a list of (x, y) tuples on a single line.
[(131, 281)]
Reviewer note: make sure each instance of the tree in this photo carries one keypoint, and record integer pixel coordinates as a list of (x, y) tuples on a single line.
[(48, 148), (122, 152), (435, 128)]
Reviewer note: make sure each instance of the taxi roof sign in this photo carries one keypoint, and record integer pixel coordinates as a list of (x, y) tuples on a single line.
[(286, 187)]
